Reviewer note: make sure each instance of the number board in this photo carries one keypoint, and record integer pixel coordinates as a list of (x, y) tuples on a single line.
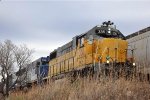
[(100, 31), (43, 59)]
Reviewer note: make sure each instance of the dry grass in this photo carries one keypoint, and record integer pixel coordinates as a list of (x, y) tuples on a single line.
[(86, 89)]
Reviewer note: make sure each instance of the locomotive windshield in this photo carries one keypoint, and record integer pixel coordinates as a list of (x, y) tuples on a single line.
[(108, 30)]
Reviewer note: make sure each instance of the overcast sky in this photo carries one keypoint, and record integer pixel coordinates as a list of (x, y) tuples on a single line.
[(45, 25)]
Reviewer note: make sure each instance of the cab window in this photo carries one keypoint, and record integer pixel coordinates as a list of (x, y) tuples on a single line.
[(81, 42)]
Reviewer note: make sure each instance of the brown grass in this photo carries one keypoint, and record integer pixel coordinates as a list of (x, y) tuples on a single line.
[(86, 89)]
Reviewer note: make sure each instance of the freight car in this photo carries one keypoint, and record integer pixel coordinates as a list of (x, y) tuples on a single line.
[(100, 50), (139, 43)]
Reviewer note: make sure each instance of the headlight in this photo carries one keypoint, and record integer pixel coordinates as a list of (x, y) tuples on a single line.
[(107, 61), (133, 64), (109, 32)]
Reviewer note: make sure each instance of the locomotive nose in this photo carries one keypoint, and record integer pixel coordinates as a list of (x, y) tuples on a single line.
[(113, 50)]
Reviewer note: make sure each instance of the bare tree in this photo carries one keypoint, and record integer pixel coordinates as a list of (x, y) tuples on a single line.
[(10, 56), (22, 57), (6, 62)]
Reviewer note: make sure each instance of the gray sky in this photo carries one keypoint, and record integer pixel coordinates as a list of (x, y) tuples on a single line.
[(45, 25)]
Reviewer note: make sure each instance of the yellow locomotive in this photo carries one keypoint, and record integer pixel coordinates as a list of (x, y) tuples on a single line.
[(94, 50)]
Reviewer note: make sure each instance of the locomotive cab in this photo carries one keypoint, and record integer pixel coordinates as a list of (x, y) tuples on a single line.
[(105, 42)]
